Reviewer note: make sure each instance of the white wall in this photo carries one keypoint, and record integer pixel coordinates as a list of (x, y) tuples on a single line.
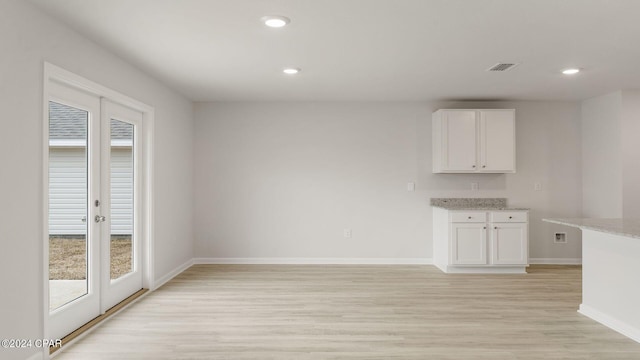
[(611, 155), (282, 180), (28, 38), (601, 156), (630, 148)]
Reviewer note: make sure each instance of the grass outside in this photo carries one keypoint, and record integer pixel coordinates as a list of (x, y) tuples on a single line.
[(67, 257)]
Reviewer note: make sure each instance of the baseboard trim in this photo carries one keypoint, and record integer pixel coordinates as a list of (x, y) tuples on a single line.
[(452, 269), (610, 322), (315, 261), (173, 273), (555, 261)]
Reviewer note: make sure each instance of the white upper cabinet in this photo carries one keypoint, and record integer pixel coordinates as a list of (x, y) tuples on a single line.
[(474, 141), (497, 140), (459, 140)]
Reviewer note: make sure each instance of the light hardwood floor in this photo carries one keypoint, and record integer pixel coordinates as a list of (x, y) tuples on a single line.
[(357, 312)]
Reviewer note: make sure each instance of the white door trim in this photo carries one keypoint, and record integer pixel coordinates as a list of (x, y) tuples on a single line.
[(53, 73)]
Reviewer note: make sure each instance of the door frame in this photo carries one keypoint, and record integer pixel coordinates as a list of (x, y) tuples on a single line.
[(53, 73)]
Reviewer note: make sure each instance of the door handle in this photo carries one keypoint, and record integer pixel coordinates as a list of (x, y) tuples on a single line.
[(99, 218), (84, 219)]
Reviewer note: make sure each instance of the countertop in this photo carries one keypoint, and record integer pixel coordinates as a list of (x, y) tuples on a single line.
[(620, 226), (474, 204)]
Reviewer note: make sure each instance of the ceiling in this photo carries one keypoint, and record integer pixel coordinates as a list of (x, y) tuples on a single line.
[(370, 50)]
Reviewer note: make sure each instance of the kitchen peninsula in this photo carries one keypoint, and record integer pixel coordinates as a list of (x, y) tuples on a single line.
[(610, 272)]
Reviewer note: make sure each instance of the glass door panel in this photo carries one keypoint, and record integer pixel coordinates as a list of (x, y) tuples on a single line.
[(122, 195), (122, 273), (68, 191)]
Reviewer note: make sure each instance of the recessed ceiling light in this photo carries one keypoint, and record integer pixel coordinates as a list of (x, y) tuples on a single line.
[(275, 21), (291, 71), (570, 71)]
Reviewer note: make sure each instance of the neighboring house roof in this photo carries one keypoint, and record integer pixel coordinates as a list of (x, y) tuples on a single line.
[(69, 123), (121, 130)]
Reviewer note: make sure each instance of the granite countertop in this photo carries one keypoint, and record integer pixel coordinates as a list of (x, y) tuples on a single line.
[(620, 226), (488, 204)]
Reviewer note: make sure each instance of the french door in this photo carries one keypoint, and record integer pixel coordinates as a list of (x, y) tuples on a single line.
[(94, 206)]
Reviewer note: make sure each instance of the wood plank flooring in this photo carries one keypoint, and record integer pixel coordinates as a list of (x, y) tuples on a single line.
[(96, 321), (357, 312)]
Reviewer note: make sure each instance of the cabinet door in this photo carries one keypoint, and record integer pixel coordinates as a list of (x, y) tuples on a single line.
[(468, 244), (509, 244), (459, 140), (497, 140)]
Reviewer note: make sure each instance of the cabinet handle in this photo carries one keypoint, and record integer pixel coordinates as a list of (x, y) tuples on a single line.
[(484, 166), (473, 166), (510, 217), (485, 228), (495, 227), (469, 217)]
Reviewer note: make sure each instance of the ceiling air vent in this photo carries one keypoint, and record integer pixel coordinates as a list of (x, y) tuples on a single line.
[(501, 67)]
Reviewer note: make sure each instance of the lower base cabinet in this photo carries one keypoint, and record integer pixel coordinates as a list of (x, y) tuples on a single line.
[(509, 244), (480, 241), (468, 244)]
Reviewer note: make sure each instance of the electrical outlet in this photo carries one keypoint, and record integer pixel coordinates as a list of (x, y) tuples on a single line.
[(474, 186), (537, 186), (560, 237), (346, 233), (411, 186)]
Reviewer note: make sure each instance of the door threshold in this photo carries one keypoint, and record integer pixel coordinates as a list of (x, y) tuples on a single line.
[(86, 327)]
